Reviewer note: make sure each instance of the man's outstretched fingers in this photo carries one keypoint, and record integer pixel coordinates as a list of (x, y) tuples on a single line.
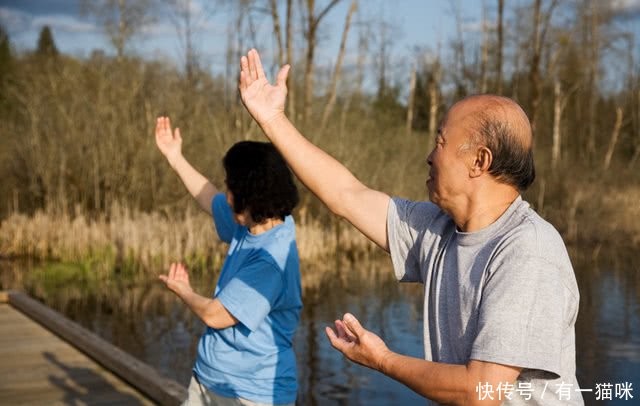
[(353, 325), (244, 70), (333, 339), (281, 79), (252, 65), (259, 68)]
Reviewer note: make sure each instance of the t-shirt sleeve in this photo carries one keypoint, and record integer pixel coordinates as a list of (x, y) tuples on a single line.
[(252, 292), (407, 225), (522, 316), (223, 217)]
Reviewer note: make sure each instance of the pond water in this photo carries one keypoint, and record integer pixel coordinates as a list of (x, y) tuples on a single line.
[(140, 316)]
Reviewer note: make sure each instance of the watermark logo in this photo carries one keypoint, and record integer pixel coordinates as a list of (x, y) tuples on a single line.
[(562, 390)]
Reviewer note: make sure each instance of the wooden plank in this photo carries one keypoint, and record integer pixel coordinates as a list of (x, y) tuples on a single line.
[(142, 376), (54, 372)]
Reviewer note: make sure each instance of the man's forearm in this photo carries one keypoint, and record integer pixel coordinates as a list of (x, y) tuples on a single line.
[(320, 172), (331, 181), (198, 186), (443, 383), (449, 383)]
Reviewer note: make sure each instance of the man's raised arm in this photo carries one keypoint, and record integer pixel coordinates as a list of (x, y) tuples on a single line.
[(327, 178)]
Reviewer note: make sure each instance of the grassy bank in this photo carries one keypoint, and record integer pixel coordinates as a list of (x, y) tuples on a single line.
[(132, 240), (127, 239)]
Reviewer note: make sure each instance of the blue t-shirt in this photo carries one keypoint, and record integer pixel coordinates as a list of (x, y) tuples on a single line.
[(260, 286)]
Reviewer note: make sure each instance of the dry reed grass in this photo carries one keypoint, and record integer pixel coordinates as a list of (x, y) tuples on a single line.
[(149, 240)]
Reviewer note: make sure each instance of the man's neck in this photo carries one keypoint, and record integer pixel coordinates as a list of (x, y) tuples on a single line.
[(484, 209)]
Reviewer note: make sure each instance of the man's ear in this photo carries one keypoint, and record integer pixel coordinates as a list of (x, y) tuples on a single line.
[(481, 162)]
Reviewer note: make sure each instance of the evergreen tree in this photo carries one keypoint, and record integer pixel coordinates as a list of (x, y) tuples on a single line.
[(46, 44)]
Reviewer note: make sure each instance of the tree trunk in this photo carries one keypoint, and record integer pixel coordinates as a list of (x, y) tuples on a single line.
[(593, 80), (308, 75), (363, 46), (412, 92), (557, 118), (312, 27), (121, 36), (614, 139), (277, 31), (484, 51), (434, 100), (541, 25), (500, 45), (535, 83), (338, 68), (291, 99)]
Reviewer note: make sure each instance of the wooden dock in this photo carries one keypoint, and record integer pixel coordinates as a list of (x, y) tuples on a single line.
[(46, 359)]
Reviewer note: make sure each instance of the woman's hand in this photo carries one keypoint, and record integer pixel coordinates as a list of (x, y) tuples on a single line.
[(178, 280), (170, 144)]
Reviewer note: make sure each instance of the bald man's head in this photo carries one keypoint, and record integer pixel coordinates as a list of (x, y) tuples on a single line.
[(501, 125)]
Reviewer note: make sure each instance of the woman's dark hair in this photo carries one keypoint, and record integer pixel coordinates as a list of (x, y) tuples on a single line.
[(260, 181)]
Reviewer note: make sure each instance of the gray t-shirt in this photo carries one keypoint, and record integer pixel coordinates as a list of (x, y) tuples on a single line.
[(505, 294)]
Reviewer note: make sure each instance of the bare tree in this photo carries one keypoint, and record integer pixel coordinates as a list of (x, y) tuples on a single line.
[(364, 33), (384, 35), (559, 105), (277, 31), (594, 65), (122, 19), (186, 15), (614, 139), (313, 21), (500, 45), (410, 102), (541, 21), (434, 97), (458, 45), (336, 74), (291, 95), (484, 50)]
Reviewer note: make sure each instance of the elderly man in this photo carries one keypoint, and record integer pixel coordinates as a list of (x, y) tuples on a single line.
[(501, 298)]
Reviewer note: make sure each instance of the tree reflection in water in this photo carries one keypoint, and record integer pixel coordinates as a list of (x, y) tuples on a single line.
[(140, 316)]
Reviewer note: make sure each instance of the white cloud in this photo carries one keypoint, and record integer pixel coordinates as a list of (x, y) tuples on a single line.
[(163, 28), (625, 6), (14, 20), (59, 22), (625, 9), (476, 26), (17, 21)]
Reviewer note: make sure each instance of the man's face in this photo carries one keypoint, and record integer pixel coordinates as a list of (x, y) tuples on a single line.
[(449, 163)]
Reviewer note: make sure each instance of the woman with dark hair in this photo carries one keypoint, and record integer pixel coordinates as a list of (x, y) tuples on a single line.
[(245, 356)]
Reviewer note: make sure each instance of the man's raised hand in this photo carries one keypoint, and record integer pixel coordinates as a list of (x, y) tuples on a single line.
[(263, 100), (168, 142)]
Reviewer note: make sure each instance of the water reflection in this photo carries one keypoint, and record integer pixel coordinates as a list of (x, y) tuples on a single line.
[(143, 318)]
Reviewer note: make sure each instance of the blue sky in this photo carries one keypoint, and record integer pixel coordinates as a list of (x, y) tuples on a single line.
[(426, 24), (415, 22)]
